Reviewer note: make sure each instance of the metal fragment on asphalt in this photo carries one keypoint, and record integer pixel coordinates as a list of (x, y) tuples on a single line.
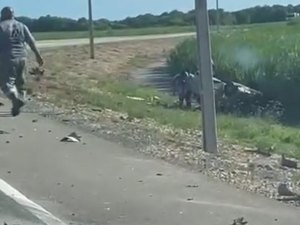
[(3, 132), (73, 137), (192, 186), (240, 221)]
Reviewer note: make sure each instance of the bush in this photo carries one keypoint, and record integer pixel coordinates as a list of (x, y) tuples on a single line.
[(293, 22), (183, 57), (264, 58)]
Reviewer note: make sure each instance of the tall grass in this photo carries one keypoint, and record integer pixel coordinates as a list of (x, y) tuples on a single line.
[(263, 57)]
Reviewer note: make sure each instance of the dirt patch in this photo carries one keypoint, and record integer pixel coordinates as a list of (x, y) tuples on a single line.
[(111, 58), (69, 67)]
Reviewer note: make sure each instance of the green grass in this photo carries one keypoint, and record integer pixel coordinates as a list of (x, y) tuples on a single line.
[(112, 33), (265, 134)]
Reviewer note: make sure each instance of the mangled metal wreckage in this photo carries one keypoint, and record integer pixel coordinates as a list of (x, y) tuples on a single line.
[(231, 97)]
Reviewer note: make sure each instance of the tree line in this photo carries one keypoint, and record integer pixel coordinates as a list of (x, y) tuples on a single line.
[(258, 14)]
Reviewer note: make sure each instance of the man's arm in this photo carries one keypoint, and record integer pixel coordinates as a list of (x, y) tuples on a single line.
[(31, 42), (3, 40)]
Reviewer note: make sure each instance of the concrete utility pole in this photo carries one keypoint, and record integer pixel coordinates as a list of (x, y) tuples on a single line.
[(218, 16), (91, 29), (207, 87)]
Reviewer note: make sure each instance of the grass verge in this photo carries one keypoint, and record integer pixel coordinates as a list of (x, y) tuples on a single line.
[(265, 134)]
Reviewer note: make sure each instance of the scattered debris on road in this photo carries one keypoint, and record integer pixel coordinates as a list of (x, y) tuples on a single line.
[(259, 152), (73, 137), (3, 132), (35, 121), (185, 148), (192, 186), (159, 174), (135, 98), (1, 104), (123, 117), (97, 109), (190, 199), (240, 221)]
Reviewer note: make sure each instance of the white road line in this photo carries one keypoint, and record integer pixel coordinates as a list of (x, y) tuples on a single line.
[(38, 211)]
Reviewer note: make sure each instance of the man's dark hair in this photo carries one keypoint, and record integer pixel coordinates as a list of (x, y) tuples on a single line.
[(7, 13)]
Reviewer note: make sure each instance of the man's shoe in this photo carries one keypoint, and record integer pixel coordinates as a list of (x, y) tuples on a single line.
[(17, 105)]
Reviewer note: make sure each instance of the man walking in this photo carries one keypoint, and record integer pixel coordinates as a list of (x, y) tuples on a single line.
[(183, 83), (14, 36)]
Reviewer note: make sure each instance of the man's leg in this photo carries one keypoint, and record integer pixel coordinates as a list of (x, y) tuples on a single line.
[(7, 80), (181, 93), (181, 99), (188, 99), (20, 79), (8, 76), (198, 98)]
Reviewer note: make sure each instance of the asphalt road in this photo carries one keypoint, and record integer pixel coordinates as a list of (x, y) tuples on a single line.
[(98, 182), (11, 213), (84, 41)]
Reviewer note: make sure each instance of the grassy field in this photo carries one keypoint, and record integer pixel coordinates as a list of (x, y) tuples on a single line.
[(112, 33)]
